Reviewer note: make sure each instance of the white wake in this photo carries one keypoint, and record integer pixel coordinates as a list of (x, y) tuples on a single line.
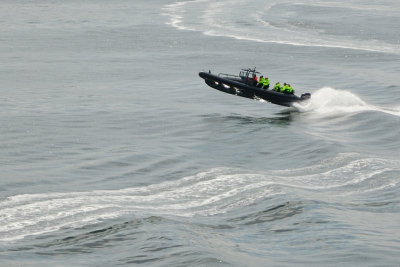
[(207, 193), (328, 101), (221, 19)]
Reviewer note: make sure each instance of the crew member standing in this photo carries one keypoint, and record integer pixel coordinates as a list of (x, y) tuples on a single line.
[(255, 80)]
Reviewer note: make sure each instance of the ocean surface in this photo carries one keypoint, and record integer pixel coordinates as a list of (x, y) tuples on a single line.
[(114, 152)]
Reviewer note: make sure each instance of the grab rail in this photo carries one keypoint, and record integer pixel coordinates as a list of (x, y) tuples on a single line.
[(228, 75)]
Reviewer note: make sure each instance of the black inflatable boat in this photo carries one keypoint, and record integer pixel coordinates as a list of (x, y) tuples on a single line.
[(244, 85)]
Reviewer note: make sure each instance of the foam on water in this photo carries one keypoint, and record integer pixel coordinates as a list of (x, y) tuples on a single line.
[(212, 192), (213, 19), (328, 101)]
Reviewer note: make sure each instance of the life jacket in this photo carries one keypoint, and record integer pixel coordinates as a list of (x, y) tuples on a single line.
[(278, 87), (286, 89), (266, 82)]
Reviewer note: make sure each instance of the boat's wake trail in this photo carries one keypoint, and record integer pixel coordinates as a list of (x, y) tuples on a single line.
[(211, 192), (275, 19), (328, 101)]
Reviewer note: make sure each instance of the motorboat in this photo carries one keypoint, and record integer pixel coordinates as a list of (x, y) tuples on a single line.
[(245, 85)]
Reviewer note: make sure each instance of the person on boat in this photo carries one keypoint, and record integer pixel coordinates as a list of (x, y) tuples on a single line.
[(291, 90), (278, 87), (266, 83), (284, 88), (255, 79), (287, 89), (261, 82)]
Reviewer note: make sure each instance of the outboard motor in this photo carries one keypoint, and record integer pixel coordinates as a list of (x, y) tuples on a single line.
[(305, 96)]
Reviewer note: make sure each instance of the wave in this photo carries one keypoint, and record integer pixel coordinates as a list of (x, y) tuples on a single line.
[(328, 101), (226, 19), (176, 13), (212, 192)]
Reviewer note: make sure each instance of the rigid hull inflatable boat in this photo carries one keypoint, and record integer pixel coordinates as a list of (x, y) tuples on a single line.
[(244, 85)]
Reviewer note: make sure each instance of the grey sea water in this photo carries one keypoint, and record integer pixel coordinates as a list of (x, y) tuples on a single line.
[(114, 152)]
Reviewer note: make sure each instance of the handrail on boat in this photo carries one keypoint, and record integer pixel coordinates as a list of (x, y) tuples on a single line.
[(228, 75)]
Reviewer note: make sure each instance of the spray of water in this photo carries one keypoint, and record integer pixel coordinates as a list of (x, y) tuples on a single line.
[(328, 101)]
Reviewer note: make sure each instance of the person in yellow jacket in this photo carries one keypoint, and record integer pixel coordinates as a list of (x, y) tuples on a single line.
[(261, 81), (266, 83), (291, 90), (287, 89), (278, 87)]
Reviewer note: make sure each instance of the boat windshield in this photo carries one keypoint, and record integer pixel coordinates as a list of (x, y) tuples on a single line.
[(245, 73)]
